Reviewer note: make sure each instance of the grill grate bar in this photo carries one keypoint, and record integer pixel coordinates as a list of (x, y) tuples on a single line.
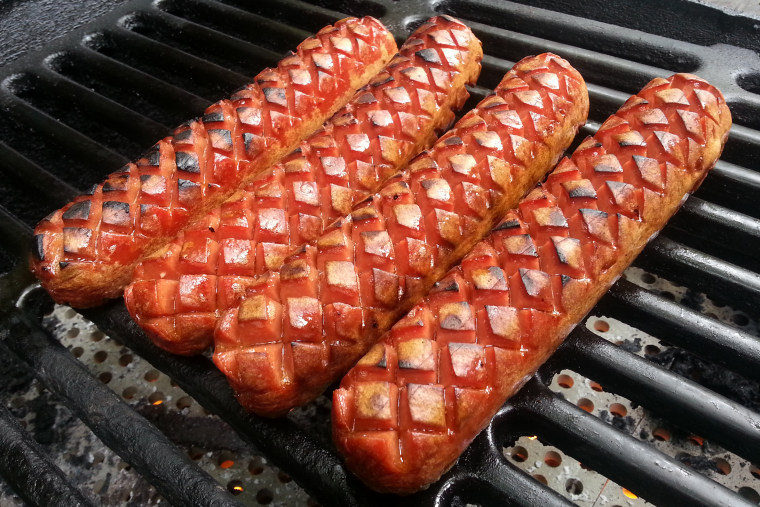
[(645, 471), (743, 146), (240, 21), (31, 473), (284, 443), (173, 474), (693, 407), (66, 137), (684, 327), (691, 268), (732, 186), (172, 59), (614, 40), (484, 477), (16, 237), (34, 179), (482, 474), (318, 15), (237, 52), (595, 67), (733, 236), (119, 74), (101, 109)]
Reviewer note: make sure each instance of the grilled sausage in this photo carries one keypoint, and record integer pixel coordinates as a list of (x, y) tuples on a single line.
[(86, 251), (304, 326), (178, 295), (412, 404)]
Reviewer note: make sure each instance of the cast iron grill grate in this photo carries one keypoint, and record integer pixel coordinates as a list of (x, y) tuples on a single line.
[(92, 100)]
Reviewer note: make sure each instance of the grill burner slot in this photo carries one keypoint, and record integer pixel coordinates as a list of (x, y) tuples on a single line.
[(147, 66)]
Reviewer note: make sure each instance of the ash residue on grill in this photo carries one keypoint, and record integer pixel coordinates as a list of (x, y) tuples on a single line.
[(713, 376)]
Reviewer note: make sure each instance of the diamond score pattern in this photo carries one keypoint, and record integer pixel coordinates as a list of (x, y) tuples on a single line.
[(178, 296), (86, 251), (412, 404), (304, 326)]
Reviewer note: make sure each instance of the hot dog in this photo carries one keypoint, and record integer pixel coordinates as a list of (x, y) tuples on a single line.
[(304, 326), (86, 251), (178, 294), (412, 404)]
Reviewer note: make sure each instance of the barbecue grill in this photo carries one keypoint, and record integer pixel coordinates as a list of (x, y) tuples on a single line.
[(684, 343)]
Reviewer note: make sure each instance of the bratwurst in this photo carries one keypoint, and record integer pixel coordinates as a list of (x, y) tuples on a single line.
[(178, 294), (85, 252), (303, 327), (413, 403)]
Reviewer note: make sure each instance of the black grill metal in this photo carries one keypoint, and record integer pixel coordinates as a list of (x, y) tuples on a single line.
[(91, 100)]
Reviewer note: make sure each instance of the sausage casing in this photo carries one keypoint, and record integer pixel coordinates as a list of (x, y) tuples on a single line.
[(86, 251), (178, 296), (412, 404), (304, 326)]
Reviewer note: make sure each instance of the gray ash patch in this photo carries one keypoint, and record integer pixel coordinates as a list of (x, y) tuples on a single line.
[(712, 376)]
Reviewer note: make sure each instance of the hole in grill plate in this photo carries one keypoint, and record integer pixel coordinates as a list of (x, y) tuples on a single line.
[(750, 494), (519, 454)]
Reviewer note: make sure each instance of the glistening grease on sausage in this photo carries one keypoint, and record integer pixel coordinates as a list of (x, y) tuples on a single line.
[(177, 295), (301, 328), (85, 252), (412, 404)]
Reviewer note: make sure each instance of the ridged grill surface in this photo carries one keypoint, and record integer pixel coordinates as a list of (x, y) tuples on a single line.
[(92, 100)]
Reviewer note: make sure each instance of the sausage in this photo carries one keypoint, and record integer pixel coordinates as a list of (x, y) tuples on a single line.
[(411, 405), (301, 328), (178, 295), (86, 251)]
